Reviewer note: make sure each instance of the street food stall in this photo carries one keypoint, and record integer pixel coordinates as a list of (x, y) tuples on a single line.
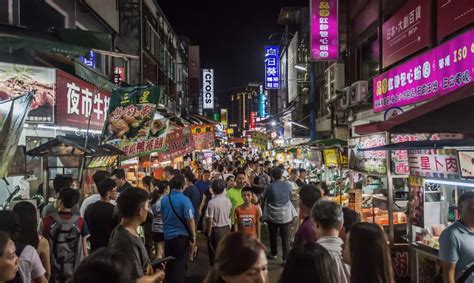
[(77, 156)]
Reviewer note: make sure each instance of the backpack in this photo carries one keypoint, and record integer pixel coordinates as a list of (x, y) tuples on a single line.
[(65, 240), (18, 278)]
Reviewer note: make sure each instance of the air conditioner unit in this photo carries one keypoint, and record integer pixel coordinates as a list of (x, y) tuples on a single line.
[(359, 91), (346, 98), (334, 79)]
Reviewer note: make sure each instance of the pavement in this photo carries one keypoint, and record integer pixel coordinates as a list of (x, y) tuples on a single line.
[(198, 269)]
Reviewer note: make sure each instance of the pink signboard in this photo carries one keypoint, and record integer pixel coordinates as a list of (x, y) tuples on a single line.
[(453, 15), (406, 32), (436, 72), (324, 30)]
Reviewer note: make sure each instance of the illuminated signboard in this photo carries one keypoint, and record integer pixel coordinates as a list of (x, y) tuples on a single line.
[(324, 30), (272, 67), (208, 89)]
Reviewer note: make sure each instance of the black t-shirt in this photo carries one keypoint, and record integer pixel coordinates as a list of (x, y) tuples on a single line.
[(101, 222)]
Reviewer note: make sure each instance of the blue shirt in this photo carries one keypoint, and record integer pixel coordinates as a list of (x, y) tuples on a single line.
[(203, 186), (278, 193), (172, 226), (456, 245), (192, 192)]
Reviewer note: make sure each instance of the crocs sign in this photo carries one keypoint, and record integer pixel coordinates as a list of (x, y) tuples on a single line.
[(208, 89)]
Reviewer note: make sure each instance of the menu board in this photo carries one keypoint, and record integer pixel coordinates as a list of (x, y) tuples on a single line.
[(374, 161), (434, 163)]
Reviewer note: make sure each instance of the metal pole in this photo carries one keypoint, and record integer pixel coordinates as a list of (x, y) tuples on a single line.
[(312, 100)]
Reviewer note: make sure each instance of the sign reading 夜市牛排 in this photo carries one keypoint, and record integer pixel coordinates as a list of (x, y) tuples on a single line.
[(435, 72)]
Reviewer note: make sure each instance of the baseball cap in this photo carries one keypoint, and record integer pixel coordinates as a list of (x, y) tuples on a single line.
[(9, 221)]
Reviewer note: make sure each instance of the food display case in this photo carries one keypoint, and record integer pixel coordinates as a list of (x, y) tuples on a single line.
[(436, 182)]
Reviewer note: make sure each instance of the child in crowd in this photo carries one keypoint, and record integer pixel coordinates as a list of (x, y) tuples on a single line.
[(247, 215)]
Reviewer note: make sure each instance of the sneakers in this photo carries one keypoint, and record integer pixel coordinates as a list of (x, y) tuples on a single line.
[(269, 256)]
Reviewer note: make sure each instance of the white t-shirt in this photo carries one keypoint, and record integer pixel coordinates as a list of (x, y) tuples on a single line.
[(30, 266)]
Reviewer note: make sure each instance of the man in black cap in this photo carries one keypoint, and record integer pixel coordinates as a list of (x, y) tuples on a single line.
[(30, 266)]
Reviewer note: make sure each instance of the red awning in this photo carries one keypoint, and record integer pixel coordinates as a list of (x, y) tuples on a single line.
[(451, 113)]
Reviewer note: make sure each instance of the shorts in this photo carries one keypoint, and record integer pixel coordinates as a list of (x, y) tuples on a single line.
[(158, 237)]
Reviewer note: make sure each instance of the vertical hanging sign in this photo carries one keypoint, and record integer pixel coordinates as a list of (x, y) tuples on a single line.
[(208, 88), (272, 67), (324, 30)]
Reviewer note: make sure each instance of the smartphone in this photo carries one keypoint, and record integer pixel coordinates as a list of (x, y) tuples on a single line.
[(157, 263)]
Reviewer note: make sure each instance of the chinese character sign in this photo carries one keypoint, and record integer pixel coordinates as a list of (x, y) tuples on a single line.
[(203, 136), (17, 80), (466, 162), (80, 102), (224, 114), (406, 32), (324, 30), (436, 72), (131, 113), (259, 140), (262, 104), (368, 161), (331, 157), (433, 163), (272, 67), (178, 143)]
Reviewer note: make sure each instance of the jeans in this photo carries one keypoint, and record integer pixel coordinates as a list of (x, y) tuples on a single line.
[(217, 234), (284, 234), (176, 269)]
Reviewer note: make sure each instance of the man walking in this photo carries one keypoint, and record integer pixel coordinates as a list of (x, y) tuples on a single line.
[(179, 229), (328, 219), (278, 212), (217, 217)]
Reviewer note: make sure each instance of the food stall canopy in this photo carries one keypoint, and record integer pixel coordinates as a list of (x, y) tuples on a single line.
[(202, 119), (418, 145), (451, 113), (67, 146), (328, 143)]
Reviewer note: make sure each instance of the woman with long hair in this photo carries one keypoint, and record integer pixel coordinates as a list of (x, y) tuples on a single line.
[(239, 259), (309, 263), (161, 189), (9, 262), (368, 253), (28, 218)]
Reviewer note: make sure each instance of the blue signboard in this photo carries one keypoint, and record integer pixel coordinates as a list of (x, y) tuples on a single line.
[(272, 67), (89, 61)]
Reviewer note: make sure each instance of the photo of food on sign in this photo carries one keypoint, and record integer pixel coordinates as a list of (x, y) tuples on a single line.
[(130, 122), (131, 114), (17, 80)]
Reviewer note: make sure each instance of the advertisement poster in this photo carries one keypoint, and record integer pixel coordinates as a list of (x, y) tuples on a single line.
[(17, 80), (178, 143), (438, 71), (368, 161), (434, 163), (272, 67), (203, 136), (131, 113), (406, 32), (11, 130), (292, 71), (466, 162), (80, 101), (416, 208), (324, 30), (155, 141), (259, 140), (331, 157), (453, 15)]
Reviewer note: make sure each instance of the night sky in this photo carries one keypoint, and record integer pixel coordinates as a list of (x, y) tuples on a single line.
[(231, 35)]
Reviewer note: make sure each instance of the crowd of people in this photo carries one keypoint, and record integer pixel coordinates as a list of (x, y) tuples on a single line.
[(121, 233)]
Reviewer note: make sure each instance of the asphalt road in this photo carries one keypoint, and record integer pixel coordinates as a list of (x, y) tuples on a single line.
[(197, 270)]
